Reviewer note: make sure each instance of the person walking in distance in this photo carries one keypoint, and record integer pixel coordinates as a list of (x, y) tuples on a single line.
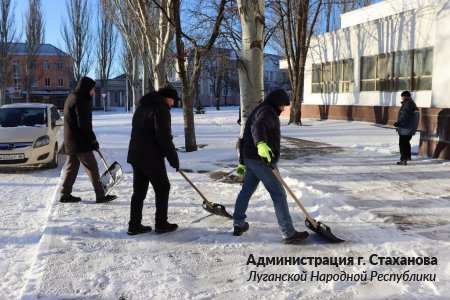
[(80, 142), (151, 142), (407, 122), (259, 146)]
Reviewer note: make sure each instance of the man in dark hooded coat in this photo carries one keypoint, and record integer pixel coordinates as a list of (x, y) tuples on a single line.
[(80, 142), (151, 142), (259, 147), (407, 122)]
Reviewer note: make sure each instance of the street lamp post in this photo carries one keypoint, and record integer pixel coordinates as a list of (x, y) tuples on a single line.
[(104, 101)]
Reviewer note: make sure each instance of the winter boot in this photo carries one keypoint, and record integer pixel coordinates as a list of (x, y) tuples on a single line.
[(138, 229), (402, 163), (165, 228), (408, 158), (69, 199), (106, 198), (296, 237), (238, 231)]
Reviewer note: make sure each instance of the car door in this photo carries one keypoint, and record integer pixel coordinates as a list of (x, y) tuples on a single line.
[(57, 129)]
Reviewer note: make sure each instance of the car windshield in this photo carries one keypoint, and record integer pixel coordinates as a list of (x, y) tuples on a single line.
[(23, 116)]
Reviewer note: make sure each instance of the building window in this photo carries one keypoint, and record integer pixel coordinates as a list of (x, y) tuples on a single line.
[(346, 82), (17, 84), (16, 69), (402, 70), (397, 71), (316, 78), (47, 82), (385, 73), (34, 82), (327, 84), (423, 66), (46, 65), (60, 82), (333, 77), (33, 65), (59, 65), (368, 73)]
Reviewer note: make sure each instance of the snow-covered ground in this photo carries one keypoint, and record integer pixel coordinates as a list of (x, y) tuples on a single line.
[(343, 172)]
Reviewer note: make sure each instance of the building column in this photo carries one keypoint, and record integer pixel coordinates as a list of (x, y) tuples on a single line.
[(441, 61), (435, 121)]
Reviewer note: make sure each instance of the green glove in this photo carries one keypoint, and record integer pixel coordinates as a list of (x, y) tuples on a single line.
[(264, 151), (240, 170)]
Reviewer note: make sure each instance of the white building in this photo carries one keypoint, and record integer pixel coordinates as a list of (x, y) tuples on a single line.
[(359, 71)]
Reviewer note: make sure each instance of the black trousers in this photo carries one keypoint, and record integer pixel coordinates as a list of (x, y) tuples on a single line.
[(405, 146), (156, 174)]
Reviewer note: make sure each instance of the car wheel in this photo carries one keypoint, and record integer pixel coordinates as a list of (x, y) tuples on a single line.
[(54, 163)]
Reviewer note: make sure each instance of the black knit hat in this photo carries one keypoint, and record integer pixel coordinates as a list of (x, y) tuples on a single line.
[(405, 94), (169, 92), (278, 97)]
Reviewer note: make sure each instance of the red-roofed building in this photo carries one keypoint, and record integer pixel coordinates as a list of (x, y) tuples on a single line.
[(50, 80)]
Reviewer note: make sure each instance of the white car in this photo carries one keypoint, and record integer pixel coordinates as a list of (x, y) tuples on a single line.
[(30, 134)]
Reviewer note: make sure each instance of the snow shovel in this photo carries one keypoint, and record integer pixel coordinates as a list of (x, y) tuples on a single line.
[(317, 227), (112, 176), (214, 208)]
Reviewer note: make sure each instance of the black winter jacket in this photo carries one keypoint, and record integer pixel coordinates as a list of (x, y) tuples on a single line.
[(151, 135), (78, 134), (263, 124), (408, 117)]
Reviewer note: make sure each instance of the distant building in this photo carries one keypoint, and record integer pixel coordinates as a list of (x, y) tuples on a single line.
[(219, 78), (50, 80), (115, 94), (218, 81), (359, 71), (274, 77)]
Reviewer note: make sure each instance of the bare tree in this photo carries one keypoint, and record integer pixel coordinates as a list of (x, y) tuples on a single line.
[(124, 17), (77, 36), (248, 41), (7, 37), (107, 43), (157, 32), (216, 66), (298, 19), (189, 59), (127, 68), (34, 37), (251, 62)]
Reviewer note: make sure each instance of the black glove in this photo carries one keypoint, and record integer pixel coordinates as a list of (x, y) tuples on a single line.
[(175, 165), (396, 124)]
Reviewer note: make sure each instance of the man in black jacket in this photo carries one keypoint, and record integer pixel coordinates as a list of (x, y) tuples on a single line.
[(407, 122), (80, 141), (259, 146), (151, 142)]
